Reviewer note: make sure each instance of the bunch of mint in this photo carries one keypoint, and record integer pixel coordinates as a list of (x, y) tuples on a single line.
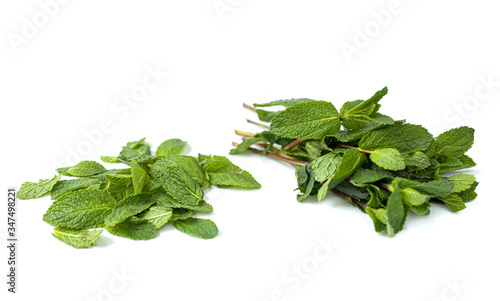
[(387, 168), (135, 202)]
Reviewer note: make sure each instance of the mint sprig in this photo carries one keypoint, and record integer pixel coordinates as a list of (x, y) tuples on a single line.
[(395, 168), (134, 202)]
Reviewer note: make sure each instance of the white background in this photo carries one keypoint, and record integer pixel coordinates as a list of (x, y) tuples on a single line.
[(65, 77)]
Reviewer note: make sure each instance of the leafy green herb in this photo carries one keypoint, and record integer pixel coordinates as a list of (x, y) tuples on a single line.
[(30, 190), (198, 227), (387, 168), (166, 188)]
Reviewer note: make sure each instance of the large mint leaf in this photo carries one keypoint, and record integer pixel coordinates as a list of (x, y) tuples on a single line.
[(403, 137), (129, 207), (222, 172), (86, 169), (324, 166), (64, 186), (140, 177), (171, 147), (77, 238), (454, 202), (396, 213), (388, 158), (188, 163), (180, 185), (32, 190), (81, 209), (437, 188), (198, 227), (310, 120), (134, 228), (462, 181), (455, 142), (157, 216)]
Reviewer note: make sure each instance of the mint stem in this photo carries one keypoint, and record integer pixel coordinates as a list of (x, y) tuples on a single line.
[(249, 107), (256, 123), (293, 144), (277, 157)]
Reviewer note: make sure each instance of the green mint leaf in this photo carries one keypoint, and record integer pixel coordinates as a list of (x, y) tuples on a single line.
[(388, 158), (367, 176), (379, 218), (157, 216), (324, 166), (367, 107), (188, 163), (417, 160), (129, 207), (171, 147), (283, 102), (180, 185), (32, 190), (266, 116), (305, 181), (469, 194), (140, 177), (462, 181), (454, 202), (81, 209), (166, 200), (77, 238), (403, 137), (85, 169), (64, 186), (197, 227), (310, 120), (134, 228), (436, 188), (348, 105), (110, 159), (180, 214), (378, 196), (136, 150), (455, 142), (414, 198), (351, 160), (421, 209), (222, 172), (396, 213), (120, 186)]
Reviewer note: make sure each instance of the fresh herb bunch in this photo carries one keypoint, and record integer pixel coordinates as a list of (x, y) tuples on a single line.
[(135, 202), (386, 168)]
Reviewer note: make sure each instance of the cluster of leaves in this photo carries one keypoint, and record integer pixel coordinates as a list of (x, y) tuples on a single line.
[(385, 167), (135, 202)]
